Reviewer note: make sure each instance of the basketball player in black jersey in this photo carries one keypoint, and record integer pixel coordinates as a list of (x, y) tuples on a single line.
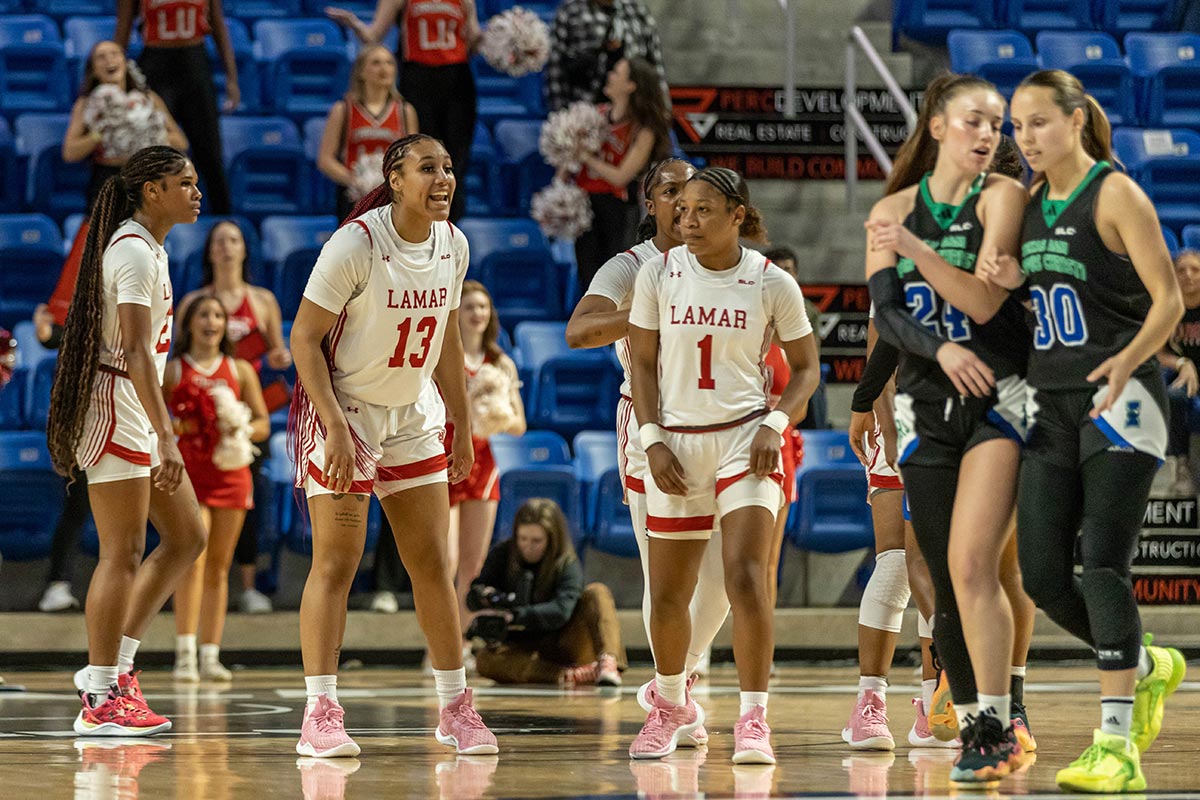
[(960, 391), (1105, 299)]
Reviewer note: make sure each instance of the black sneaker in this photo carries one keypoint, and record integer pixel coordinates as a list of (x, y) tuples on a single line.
[(990, 752)]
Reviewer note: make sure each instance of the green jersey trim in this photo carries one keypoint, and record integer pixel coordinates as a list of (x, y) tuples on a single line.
[(1053, 209), (945, 213)]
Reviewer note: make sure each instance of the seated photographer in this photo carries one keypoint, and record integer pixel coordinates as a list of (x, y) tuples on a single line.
[(539, 623)]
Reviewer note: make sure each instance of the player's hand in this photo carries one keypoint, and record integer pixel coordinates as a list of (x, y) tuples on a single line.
[(1001, 270), (666, 470), (1117, 370), (1187, 378), (233, 97), (462, 458), (970, 376), (338, 474), (341, 16), (170, 470), (764, 452), (894, 237), (862, 425)]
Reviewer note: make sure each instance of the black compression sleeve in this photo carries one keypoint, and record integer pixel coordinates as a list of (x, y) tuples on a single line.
[(878, 371), (895, 325)]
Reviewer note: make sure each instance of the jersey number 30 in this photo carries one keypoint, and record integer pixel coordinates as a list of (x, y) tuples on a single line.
[(922, 304), (1059, 316), (425, 329)]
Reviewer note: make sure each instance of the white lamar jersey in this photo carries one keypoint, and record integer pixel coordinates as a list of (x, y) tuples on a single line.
[(134, 270), (714, 328), (615, 281), (392, 299)]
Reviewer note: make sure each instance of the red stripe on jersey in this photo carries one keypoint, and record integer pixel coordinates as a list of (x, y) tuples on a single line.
[(335, 337), (678, 524), (416, 469), (125, 454), (725, 483), (132, 236), (370, 239), (356, 487), (635, 484)]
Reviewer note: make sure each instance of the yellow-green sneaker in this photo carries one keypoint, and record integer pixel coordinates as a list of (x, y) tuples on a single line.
[(1112, 764), (1149, 698)]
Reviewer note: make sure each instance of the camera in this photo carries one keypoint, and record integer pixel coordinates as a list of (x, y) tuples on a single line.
[(489, 627), (481, 597)]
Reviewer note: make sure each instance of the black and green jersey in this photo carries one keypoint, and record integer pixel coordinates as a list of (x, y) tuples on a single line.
[(1088, 301), (956, 234)]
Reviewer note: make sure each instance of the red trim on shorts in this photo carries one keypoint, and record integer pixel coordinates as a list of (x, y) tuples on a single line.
[(635, 484), (678, 524), (725, 483), (884, 481), (416, 469), (356, 487), (125, 454)]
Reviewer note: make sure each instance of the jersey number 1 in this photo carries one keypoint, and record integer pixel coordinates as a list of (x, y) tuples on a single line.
[(706, 378), (426, 326)]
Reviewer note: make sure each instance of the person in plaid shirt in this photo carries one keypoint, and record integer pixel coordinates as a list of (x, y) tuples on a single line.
[(589, 37)]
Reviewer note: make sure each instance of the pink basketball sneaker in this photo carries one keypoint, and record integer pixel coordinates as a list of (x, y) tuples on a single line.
[(462, 728), (752, 738), (323, 733)]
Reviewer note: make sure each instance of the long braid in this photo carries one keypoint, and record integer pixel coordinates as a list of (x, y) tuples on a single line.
[(381, 195), (79, 356)]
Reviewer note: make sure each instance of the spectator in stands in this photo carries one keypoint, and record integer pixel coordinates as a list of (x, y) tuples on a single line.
[(360, 127), (217, 452), (494, 391), (589, 37), (256, 331), (176, 66), (540, 623), (1179, 359), (640, 134), (437, 38), (785, 258)]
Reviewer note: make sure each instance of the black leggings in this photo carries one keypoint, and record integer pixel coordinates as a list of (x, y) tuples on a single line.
[(182, 77), (246, 552), (65, 543), (444, 99), (614, 224)]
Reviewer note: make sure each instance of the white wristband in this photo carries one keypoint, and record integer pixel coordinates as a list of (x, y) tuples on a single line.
[(777, 421), (650, 434)]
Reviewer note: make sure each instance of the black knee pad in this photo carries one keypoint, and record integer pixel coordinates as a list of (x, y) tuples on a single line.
[(1113, 615)]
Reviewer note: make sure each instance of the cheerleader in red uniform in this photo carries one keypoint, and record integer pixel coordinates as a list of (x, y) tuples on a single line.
[(496, 407), (791, 453), (205, 388)]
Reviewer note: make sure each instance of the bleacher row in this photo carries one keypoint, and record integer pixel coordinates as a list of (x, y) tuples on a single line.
[(931, 20)]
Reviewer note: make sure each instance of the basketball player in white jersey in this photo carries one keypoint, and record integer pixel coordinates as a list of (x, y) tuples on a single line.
[(602, 318), (703, 316), (108, 417), (377, 325)]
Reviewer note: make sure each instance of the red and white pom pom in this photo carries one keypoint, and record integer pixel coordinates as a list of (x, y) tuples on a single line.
[(126, 122), (234, 450), (571, 134), (516, 42), (562, 210)]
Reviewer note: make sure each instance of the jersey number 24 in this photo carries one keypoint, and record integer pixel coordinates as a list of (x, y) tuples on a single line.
[(922, 304)]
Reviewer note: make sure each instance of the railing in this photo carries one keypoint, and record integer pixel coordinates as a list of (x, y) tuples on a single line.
[(855, 122), (789, 81)]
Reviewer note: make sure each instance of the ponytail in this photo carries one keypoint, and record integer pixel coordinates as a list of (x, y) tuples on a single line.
[(393, 157), (753, 228), (79, 356), (919, 152), (1096, 135), (1068, 94)]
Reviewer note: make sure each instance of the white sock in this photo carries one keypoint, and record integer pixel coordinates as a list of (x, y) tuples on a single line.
[(450, 683), (129, 648), (875, 683), (752, 699), (210, 653), (320, 684), (1116, 715), (672, 688), (998, 706), (966, 713), (927, 689), (185, 647), (1145, 664), (1017, 672), (99, 679)]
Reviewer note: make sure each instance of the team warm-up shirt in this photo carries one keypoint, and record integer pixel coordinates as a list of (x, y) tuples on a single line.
[(714, 328), (134, 270), (616, 281), (392, 299)]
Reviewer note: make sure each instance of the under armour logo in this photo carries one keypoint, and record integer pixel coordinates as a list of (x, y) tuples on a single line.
[(674, 274), (352, 409), (386, 257), (1133, 414)]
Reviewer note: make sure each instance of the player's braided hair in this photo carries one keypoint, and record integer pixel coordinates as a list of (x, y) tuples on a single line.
[(737, 193), (393, 158), (648, 227), (79, 357)]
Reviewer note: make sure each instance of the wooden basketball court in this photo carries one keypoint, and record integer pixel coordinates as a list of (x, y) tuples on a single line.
[(237, 741)]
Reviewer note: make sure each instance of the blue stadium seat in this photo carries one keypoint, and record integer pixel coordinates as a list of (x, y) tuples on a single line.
[(268, 171), (70, 229), (262, 9), (249, 82), (931, 20), (292, 245), (826, 447), (1031, 16), (538, 342), (1172, 241), (31, 252), (831, 514), (71, 8), (305, 64), (612, 530), (185, 247), (12, 400), (521, 171), (81, 34), (500, 95), (1167, 165), (575, 391), (1167, 73), (11, 184), (12, 6), (537, 464), (511, 258), (480, 184), (29, 350), (37, 392), (532, 450), (1095, 58), (595, 454), (364, 9), (1191, 237), (1119, 17), (1003, 57), (33, 73), (52, 186), (324, 190), (31, 489)]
